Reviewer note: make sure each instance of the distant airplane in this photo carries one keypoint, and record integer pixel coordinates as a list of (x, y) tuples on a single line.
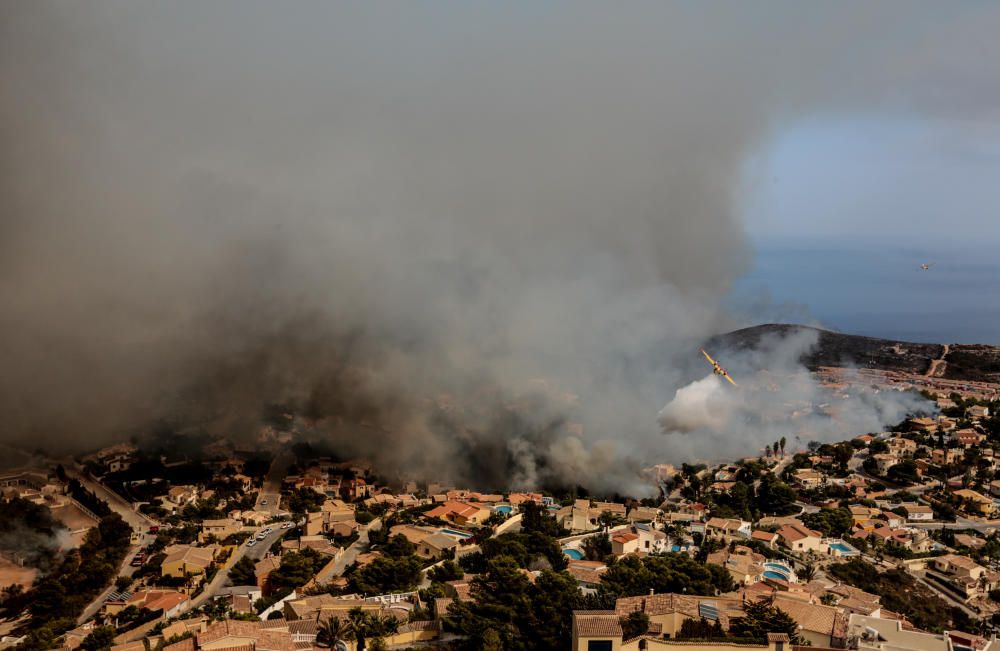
[(717, 368), (927, 265)]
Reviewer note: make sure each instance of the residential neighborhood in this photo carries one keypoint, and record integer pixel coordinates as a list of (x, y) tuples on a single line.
[(894, 531)]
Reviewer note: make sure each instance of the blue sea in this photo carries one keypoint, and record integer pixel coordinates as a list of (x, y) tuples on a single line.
[(877, 290)]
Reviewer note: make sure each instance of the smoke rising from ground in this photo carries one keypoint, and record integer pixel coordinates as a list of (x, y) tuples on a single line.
[(477, 240), (777, 398)]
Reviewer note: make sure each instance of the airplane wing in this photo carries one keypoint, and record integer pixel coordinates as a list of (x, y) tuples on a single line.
[(731, 380), (708, 357)]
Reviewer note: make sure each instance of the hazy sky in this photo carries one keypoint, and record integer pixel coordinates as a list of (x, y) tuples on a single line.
[(893, 178), (842, 209)]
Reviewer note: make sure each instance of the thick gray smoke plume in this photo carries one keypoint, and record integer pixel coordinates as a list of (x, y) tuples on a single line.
[(471, 238)]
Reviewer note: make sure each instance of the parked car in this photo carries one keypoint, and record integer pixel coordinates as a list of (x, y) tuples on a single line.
[(252, 542)]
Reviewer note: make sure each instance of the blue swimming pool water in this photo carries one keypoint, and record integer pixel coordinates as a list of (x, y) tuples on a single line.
[(840, 547), (675, 548), (777, 571), (503, 508), (575, 554), (452, 532)]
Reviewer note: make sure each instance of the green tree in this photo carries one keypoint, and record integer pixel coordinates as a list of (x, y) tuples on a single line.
[(632, 576), (102, 637), (700, 629), (398, 547), (386, 574), (774, 497), (333, 630), (295, 570), (762, 617), (830, 522), (634, 624), (243, 572), (447, 571), (597, 547)]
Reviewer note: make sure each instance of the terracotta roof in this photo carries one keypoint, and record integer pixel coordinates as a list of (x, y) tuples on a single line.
[(420, 625), (183, 645), (226, 628), (597, 623), (811, 617), (794, 532), (763, 535), (585, 574), (303, 626), (166, 601)]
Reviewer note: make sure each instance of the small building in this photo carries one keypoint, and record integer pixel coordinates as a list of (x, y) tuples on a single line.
[(918, 512), (596, 630), (977, 411), (435, 545), (947, 456), (624, 542), (766, 538), (800, 538), (974, 502), (968, 438), (219, 529), (884, 462), (727, 528), (185, 560)]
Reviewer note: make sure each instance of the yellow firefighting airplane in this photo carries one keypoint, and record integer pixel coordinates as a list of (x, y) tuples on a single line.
[(717, 368)]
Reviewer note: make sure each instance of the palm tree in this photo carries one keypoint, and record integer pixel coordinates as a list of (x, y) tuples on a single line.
[(782, 441), (808, 572), (332, 632)]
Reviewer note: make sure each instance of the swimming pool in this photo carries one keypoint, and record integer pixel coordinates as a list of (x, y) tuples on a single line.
[(575, 554), (774, 570), (841, 548), (503, 508), (457, 534)]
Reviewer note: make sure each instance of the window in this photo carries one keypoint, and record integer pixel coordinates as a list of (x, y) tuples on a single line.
[(599, 645)]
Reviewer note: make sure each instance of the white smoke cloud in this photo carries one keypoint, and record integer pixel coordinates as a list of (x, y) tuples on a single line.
[(776, 397)]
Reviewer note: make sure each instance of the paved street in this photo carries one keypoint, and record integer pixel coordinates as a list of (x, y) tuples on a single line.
[(256, 553), (271, 490), (126, 569), (118, 504), (351, 553)]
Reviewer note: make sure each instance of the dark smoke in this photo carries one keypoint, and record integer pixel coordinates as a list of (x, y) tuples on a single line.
[(370, 211)]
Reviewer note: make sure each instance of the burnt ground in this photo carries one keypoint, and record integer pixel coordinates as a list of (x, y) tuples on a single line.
[(975, 362)]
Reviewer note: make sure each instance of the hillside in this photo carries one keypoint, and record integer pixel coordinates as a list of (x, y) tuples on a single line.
[(970, 362)]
